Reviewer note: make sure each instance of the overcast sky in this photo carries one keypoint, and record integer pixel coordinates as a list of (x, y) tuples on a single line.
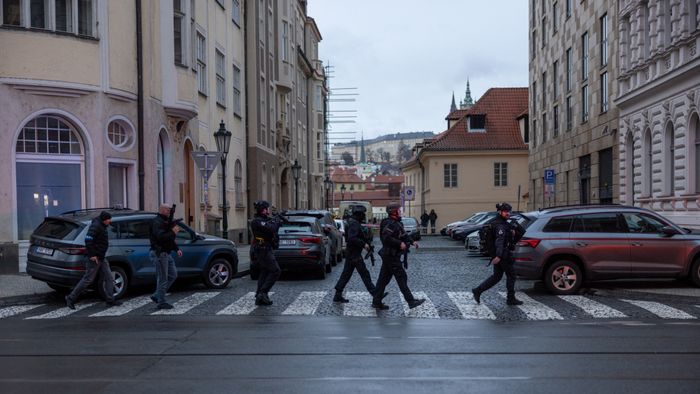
[(406, 57)]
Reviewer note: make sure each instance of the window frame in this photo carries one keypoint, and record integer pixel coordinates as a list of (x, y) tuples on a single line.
[(604, 93), (201, 55), (604, 39), (49, 7), (500, 174), (450, 175), (220, 66)]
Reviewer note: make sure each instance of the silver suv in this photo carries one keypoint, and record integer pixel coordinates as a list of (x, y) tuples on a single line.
[(569, 245)]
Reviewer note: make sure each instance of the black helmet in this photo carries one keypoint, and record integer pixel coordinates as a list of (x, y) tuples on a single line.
[(393, 206), (260, 205), (358, 211), (504, 206)]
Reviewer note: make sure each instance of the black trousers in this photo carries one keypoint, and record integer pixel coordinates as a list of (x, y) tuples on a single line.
[(269, 269), (504, 266), (353, 263), (391, 267)]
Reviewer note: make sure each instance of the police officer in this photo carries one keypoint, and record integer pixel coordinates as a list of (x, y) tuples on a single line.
[(356, 242), (502, 262), (265, 241), (394, 242)]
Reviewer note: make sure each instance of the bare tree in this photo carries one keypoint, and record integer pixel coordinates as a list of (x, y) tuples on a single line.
[(347, 158)]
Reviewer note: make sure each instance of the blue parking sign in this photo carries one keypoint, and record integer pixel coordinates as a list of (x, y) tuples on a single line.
[(549, 176)]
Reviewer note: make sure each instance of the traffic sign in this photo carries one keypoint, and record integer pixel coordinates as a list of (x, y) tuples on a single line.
[(409, 193), (206, 162), (549, 176), (549, 182)]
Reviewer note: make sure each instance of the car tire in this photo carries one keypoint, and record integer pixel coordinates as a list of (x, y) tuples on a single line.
[(218, 274), (121, 283), (321, 272), (59, 289), (333, 259), (564, 277), (695, 272)]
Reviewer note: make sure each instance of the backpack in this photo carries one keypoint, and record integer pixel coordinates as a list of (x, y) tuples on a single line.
[(487, 240)]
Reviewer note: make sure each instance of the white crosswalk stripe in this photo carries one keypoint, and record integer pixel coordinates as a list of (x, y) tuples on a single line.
[(63, 311), (306, 303), (187, 303), (427, 310), (661, 310), (242, 306), (16, 310), (125, 308), (360, 304), (464, 300), (593, 308), (533, 309)]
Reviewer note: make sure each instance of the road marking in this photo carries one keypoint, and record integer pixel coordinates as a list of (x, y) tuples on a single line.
[(360, 304), (661, 310), (533, 309), (689, 292), (593, 308), (306, 303), (464, 300), (427, 310), (125, 308), (16, 310), (242, 306), (62, 312), (187, 303)]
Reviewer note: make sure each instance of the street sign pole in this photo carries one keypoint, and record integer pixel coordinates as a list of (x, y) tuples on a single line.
[(206, 162)]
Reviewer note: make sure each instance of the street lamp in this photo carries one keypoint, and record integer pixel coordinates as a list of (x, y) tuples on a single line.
[(342, 192), (295, 173), (327, 183), (223, 141)]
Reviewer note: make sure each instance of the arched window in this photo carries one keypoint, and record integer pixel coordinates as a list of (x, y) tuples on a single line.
[(646, 165), (238, 182), (629, 169), (273, 181), (669, 158), (694, 150), (120, 135), (161, 165), (50, 171), (264, 182)]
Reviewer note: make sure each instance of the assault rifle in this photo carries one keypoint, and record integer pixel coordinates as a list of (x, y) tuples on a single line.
[(408, 241), (172, 222), (368, 238)]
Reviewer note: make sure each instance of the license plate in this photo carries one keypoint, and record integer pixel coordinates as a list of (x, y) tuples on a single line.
[(288, 242), (43, 250)]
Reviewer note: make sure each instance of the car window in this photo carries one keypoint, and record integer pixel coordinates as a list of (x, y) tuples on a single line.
[(134, 229), (185, 234), (643, 223), (475, 218), (409, 221), (605, 222), (560, 224), (295, 227), (58, 229)]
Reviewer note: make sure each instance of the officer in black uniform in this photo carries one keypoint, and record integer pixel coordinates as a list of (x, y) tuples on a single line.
[(503, 261), (356, 242), (394, 242), (265, 241)]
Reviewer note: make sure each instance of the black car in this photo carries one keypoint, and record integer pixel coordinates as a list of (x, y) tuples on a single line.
[(328, 226), (57, 256)]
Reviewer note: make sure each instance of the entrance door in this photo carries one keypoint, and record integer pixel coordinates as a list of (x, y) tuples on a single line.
[(585, 179), (605, 176)]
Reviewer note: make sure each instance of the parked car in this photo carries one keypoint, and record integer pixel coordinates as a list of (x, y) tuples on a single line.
[(302, 246), (340, 225), (568, 246), (412, 228), (56, 252), (473, 242), (460, 232), (471, 219), (328, 226)]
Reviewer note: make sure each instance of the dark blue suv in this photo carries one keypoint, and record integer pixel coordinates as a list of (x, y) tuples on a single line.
[(56, 253)]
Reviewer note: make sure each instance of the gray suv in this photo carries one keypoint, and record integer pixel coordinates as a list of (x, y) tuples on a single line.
[(569, 245)]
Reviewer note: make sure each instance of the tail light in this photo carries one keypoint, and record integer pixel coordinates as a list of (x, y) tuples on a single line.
[(531, 242), (310, 240), (73, 251)]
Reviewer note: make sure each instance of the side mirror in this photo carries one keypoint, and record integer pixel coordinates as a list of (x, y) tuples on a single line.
[(669, 231)]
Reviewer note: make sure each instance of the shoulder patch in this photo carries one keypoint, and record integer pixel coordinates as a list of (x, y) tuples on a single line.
[(500, 231)]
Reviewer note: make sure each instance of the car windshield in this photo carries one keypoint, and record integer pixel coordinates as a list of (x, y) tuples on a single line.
[(487, 217), (295, 227), (409, 221), (58, 229), (475, 218)]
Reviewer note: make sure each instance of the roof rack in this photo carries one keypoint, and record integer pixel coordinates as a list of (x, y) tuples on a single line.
[(581, 206), (91, 210)]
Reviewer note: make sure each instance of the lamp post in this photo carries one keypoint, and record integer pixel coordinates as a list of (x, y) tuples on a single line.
[(295, 173), (342, 192), (327, 185), (223, 141)]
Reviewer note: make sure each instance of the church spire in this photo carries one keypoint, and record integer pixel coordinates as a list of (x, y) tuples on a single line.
[(453, 107), (468, 102), (362, 149)]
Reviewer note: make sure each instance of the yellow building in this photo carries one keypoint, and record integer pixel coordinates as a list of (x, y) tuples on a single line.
[(479, 160)]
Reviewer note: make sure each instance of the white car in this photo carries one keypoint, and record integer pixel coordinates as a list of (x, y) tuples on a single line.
[(340, 225), (473, 243)]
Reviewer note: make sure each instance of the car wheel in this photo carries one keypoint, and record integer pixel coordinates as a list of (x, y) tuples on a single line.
[(563, 277), (695, 272), (59, 289), (321, 272), (218, 274), (121, 283), (333, 260)]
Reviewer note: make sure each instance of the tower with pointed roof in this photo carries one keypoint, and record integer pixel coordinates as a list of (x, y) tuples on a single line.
[(468, 102), (362, 149), (453, 107)]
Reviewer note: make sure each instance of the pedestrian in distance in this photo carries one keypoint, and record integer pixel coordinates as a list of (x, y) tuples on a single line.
[(96, 244), (357, 241), (433, 219), (265, 241), (163, 234), (502, 260), (424, 219), (394, 242)]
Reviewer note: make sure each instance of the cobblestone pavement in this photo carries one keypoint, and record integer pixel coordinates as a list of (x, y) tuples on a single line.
[(439, 271)]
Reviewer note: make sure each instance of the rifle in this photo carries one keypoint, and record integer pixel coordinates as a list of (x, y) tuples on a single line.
[(370, 252), (172, 222), (408, 241)]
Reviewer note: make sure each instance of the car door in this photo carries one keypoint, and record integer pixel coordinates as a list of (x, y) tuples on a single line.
[(134, 243), (601, 240), (195, 254), (654, 253)]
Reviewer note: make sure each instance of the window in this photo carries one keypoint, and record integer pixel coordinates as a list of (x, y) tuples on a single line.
[(178, 30), (119, 134), (544, 127), (569, 7), (604, 40), (569, 114), (544, 88), (647, 162), (584, 104), (237, 102), (160, 168), (132, 229), (555, 120), (85, 18), (64, 15), (534, 133), (477, 123), (118, 185), (48, 135), (220, 79), (560, 224), (544, 32), (38, 14), (285, 41), (450, 175), (569, 69), (694, 132), (534, 97), (500, 174), (555, 79), (604, 99), (555, 17), (12, 12), (584, 56), (598, 223), (665, 6), (69, 16), (669, 160), (201, 63), (643, 223), (238, 183), (236, 12), (629, 169)]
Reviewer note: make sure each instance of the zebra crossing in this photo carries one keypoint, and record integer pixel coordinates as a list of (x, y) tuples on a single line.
[(438, 305)]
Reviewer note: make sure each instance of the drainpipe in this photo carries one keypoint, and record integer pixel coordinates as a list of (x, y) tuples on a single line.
[(245, 131), (139, 104), (422, 184)]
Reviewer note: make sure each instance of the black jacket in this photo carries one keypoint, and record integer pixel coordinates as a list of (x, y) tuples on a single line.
[(162, 235), (504, 237), (96, 241), (265, 230), (355, 238), (392, 234)]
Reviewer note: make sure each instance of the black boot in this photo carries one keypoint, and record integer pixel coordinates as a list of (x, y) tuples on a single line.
[(258, 299), (477, 295), (266, 301), (374, 292), (379, 305), (511, 300), (416, 302), (339, 297)]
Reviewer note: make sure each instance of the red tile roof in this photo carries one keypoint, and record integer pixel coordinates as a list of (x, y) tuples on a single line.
[(502, 107), (457, 114)]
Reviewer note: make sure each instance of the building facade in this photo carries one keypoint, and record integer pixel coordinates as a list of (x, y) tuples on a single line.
[(113, 117), (659, 96), (286, 113), (573, 124)]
